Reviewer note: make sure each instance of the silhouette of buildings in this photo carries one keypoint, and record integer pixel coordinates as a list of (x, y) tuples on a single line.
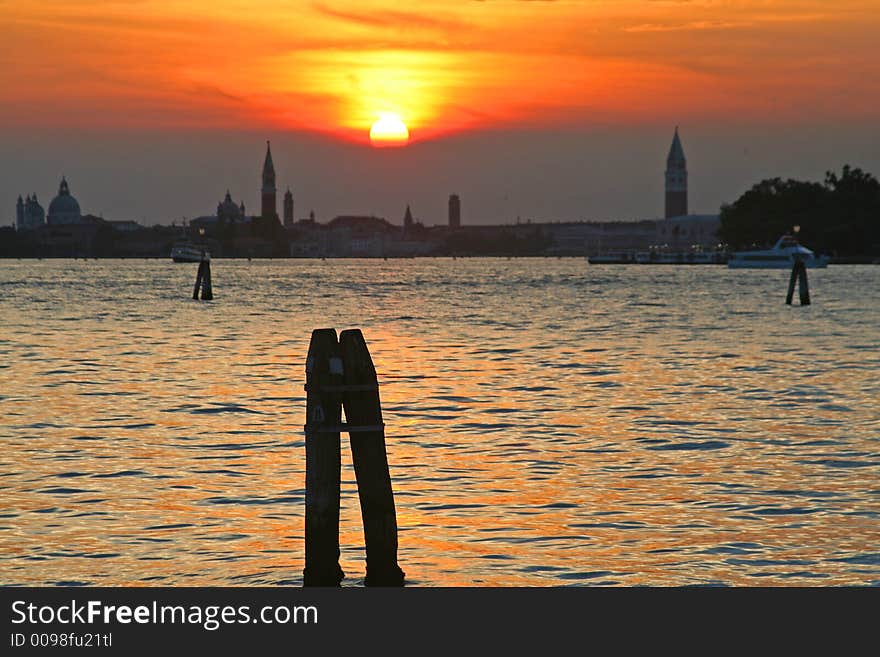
[(231, 232), (676, 180), (29, 214), (454, 211), (64, 208), (229, 212), (268, 208), (288, 209), (678, 230), (690, 232)]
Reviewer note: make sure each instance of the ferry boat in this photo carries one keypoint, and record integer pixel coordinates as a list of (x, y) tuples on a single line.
[(661, 257), (189, 252), (613, 258), (781, 256)]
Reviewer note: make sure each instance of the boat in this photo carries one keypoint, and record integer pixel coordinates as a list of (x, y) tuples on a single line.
[(781, 256), (613, 258), (665, 257), (658, 256), (189, 252)]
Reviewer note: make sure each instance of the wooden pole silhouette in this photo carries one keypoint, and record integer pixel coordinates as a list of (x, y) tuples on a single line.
[(207, 290), (323, 417), (799, 277), (203, 281), (363, 414), (803, 285), (198, 281)]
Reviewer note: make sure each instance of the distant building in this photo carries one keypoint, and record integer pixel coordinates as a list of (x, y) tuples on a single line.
[(126, 226), (288, 208), (687, 232), (228, 212), (268, 208), (359, 236), (64, 208), (407, 219), (454, 211), (676, 180), (591, 238), (361, 225), (29, 214)]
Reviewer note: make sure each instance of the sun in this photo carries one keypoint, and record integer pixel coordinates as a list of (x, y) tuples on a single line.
[(389, 130)]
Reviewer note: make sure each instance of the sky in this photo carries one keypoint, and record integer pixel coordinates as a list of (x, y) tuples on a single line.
[(538, 109)]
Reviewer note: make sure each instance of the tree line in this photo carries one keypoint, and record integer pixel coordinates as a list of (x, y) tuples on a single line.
[(840, 216)]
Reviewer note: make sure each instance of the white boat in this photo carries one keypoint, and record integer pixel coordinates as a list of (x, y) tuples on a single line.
[(781, 256), (189, 252)]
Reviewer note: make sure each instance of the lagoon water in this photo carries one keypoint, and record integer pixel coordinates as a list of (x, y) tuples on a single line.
[(548, 422)]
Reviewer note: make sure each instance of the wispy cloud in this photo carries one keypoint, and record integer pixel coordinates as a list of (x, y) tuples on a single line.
[(390, 18), (684, 27)]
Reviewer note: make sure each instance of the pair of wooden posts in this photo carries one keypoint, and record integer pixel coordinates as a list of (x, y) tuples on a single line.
[(799, 276), (340, 374), (203, 281)]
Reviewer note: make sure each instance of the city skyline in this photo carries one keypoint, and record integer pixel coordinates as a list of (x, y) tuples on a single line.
[(579, 188)]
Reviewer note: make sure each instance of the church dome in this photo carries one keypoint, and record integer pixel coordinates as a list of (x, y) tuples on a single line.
[(228, 210), (64, 208), (64, 205)]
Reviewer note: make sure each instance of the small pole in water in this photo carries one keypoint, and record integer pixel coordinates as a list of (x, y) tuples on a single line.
[(198, 280), (207, 290), (363, 415), (324, 376), (799, 277), (803, 285)]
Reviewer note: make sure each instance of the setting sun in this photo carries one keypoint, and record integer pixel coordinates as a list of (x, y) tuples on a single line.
[(389, 130)]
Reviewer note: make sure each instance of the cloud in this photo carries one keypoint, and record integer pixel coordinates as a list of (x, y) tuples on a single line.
[(390, 18), (682, 27)]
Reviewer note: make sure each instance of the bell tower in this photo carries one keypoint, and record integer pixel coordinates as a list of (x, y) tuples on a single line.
[(288, 208), (676, 180), (268, 206)]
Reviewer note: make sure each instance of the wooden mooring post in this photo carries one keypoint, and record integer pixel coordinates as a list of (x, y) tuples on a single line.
[(342, 375), (203, 281), (363, 413), (799, 277), (198, 284), (323, 417)]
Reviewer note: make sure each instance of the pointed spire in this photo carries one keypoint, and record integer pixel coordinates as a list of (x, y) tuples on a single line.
[(676, 152), (63, 188), (228, 198), (407, 218), (268, 166)]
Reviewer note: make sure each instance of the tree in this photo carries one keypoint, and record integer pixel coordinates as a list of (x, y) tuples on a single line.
[(839, 216), (856, 211)]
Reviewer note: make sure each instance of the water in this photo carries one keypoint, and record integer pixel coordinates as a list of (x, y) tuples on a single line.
[(549, 422)]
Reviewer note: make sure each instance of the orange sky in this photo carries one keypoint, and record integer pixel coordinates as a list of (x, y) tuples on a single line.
[(444, 66)]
